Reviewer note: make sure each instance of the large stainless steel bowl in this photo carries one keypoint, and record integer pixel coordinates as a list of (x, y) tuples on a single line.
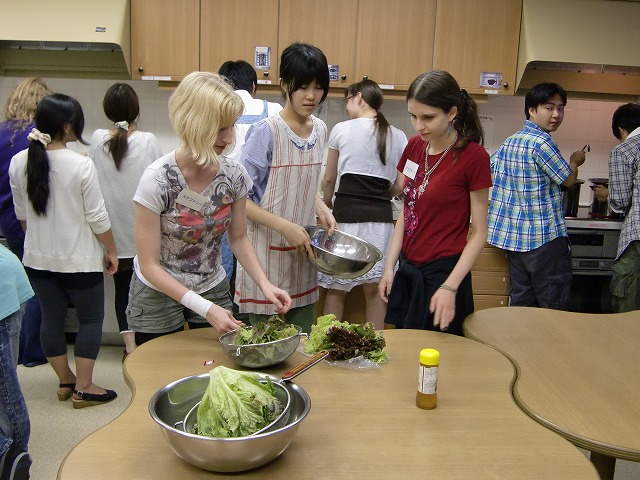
[(342, 255), (171, 403), (260, 355)]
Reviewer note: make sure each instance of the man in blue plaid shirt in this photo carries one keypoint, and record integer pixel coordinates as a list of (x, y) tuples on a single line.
[(624, 197), (526, 217)]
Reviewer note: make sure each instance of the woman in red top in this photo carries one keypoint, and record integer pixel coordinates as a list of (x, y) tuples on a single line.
[(447, 180)]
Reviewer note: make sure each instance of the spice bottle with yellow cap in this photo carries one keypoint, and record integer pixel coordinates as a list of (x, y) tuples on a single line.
[(427, 397)]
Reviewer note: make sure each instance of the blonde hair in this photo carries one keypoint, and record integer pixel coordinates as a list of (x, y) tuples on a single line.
[(20, 107), (202, 105)]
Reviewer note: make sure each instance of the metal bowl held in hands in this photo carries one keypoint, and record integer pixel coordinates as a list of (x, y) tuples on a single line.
[(342, 255), (169, 406), (260, 355)]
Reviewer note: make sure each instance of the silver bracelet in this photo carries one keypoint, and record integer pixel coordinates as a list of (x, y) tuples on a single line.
[(446, 287)]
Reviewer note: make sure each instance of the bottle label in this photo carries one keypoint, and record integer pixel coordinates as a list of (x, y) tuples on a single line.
[(427, 379)]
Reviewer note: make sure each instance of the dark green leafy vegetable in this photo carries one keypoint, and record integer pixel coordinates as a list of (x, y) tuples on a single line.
[(346, 340), (274, 329)]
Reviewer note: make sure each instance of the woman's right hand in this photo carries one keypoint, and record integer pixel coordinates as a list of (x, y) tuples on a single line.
[(296, 236), (384, 287), (222, 319)]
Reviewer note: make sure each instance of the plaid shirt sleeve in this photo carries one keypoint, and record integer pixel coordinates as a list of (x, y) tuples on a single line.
[(551, 162), (620, 178)]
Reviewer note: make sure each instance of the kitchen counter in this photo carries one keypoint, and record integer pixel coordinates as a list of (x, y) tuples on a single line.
[(578, 374), (585, 220), (362, 425)]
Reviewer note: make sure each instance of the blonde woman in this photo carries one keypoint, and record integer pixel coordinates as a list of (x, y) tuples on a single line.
[(17, 122), (184, 203)]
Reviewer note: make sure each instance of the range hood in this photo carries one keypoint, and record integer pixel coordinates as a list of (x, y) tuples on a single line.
[(74, 38), (588, 46)]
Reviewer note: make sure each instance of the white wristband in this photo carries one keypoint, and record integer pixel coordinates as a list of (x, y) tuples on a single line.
[(195, 302)]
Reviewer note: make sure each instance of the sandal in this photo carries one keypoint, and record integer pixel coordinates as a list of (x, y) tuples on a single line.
[(62, 396), (91, 399)]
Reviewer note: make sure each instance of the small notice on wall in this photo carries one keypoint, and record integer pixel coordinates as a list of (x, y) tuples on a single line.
[(334, 73), (263, 58), (490, 79)]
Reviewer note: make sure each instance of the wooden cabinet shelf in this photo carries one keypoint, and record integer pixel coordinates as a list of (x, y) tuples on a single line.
[(475, 36)]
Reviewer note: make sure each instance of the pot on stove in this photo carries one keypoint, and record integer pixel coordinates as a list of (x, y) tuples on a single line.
[(601, 208), (570, 199)]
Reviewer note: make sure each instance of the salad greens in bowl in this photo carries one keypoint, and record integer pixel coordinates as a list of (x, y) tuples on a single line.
[(262, 345)]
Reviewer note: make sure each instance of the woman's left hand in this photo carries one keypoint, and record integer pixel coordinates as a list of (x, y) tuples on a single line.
[(278, 297), (110, 263), (443, 307), (325, 217)]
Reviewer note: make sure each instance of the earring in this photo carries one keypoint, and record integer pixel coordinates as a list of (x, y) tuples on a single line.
[(449, 128)]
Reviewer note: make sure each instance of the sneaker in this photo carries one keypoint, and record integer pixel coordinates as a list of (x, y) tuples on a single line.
[(18, 469)]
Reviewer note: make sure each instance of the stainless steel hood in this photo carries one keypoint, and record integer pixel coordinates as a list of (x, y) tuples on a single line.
[(588, 46), (74, 38)]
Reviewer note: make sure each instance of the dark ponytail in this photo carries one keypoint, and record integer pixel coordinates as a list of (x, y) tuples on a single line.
[(38, 169), (439, 89), (120, 104), (52, 114), (373, 96)]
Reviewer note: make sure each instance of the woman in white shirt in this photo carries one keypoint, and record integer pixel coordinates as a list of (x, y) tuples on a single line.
[(363, 153), (121, 154), (57, 199)]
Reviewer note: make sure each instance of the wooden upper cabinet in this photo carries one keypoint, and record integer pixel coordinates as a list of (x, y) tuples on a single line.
[(165, 38), (475, 36), (395, 41), (232, 29), (327, 24)]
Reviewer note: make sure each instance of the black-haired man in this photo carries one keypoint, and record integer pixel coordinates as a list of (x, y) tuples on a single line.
[(526, 217)]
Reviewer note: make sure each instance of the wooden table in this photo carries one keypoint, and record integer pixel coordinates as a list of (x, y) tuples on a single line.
[(577, 374), (362, 424)]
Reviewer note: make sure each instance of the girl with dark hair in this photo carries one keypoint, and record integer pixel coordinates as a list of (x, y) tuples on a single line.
[(364, 154), (447, 180), (283, 155), (121, 154), (57, 196)]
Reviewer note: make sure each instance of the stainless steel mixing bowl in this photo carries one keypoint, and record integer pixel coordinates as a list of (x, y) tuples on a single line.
[(260, 355), (342, 255), (171, 403)]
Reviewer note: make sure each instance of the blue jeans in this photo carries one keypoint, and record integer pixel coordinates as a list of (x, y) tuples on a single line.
[(30, 352), (14, 417)]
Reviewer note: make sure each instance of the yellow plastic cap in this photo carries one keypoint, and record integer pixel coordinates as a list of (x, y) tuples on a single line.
[(429, 356)]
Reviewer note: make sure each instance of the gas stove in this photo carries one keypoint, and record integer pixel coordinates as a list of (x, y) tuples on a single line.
[(585, 221)]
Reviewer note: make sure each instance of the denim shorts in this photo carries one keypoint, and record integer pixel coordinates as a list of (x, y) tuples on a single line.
[(151, 311)]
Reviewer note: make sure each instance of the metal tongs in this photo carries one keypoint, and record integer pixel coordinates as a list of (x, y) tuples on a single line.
[(586, 148)]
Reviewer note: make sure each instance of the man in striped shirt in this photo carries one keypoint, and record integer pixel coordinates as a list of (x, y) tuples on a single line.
[(624, 197), (526, 217)]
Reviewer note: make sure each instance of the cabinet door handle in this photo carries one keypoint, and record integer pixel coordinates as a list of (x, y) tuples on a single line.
[(343, 77), (140, 69), (266, 74), (365, 77)]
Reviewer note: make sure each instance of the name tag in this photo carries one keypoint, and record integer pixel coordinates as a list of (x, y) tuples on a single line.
[(191, 199), (410, 169)]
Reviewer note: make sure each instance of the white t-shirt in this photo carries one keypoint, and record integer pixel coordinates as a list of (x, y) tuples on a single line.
[(65, 239), (119, 186), (356, 141), (253, 107), (190, 239)]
